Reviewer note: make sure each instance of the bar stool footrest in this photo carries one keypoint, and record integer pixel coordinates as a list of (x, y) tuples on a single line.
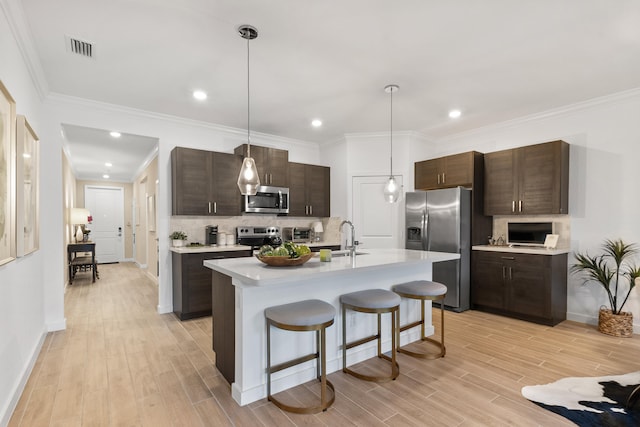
[(307, 409)]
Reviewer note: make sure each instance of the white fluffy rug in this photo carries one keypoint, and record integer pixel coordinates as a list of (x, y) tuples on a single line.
[(590, 401)]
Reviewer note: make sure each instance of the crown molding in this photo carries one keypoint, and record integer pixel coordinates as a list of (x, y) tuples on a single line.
[(73, 101), (555, 112), (14, 13)]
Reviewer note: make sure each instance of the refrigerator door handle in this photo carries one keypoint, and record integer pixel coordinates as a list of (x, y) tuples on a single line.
[(426, 240)]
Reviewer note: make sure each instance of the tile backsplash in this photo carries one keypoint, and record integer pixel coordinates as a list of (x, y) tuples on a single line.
[(194, 226)]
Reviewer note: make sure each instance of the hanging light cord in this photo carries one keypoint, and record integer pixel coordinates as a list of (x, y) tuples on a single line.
[(391, 133), (248, 104)]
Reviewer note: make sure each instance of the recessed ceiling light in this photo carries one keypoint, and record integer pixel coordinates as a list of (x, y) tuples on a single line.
[(105, 176), (454, 114), (115, 134), (108, 164), (316, 123), (200, 95)]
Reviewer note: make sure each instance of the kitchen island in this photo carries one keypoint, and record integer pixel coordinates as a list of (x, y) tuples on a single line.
[(243, 287)]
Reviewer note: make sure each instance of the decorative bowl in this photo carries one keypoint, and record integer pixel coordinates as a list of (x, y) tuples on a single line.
[(284, 261)]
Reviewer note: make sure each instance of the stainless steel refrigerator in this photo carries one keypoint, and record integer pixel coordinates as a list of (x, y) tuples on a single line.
[(440, 220)]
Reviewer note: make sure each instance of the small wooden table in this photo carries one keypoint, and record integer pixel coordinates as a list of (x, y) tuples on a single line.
[(76, 262)]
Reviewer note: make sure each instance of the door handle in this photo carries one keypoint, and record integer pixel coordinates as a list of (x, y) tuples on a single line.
[(513, 206), (209, 207), (215, 207), (438, 178), (310, 209), (443, 178), (519, 205), (510, 273), (504, 272)]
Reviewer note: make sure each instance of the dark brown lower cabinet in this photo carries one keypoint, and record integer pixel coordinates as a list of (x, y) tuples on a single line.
[(525, 286), (192, 282), (224, 324)]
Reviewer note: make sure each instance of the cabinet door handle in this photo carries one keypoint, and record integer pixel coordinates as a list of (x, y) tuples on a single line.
[(209, 207), (443, 178), (519, 205), (310, 209), (270, 179), (438, 178), (215, 207), (510, 273), (504, 272), (508, 257), (513, 206)]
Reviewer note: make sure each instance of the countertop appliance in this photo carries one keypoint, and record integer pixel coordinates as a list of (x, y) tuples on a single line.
[(270, 200), (257, 236), (440, 220), (296, 234), (211, 235)]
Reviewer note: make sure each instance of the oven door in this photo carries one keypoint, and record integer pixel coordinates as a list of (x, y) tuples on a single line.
[(274, 200)]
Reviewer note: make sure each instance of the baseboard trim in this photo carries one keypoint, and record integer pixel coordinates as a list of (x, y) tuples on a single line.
[(164, 309), (153, 278), (22, 383)]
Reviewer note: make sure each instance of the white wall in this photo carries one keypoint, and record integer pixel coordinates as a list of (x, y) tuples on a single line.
[(22, 294), (603, 184)]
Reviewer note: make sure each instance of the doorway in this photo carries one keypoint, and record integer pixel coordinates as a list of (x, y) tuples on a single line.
[(378, 224), (106, 205)]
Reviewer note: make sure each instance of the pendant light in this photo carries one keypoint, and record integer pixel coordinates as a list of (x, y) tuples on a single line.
[(391, 188), (248, 180)]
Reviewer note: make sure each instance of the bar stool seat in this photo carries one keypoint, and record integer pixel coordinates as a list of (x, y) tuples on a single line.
[(308, 315), (377, 301), (423, 290)]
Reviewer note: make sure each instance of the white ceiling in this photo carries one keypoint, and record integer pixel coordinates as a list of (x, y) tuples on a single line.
[(91, 149), (493, 59)]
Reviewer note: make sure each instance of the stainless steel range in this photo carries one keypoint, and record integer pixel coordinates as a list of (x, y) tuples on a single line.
[(258, 236)]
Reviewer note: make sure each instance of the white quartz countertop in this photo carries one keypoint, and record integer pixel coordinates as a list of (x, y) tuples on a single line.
[(521, 250), (252, 272), (205, 248)]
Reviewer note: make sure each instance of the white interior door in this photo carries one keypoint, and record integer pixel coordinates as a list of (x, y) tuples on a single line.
[(106, 205), (377, 222)]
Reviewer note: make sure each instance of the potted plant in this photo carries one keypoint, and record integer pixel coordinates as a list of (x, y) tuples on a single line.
[(179, 238), (618, 277)]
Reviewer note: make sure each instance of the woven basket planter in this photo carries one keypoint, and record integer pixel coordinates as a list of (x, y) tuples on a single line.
[(617, 325)]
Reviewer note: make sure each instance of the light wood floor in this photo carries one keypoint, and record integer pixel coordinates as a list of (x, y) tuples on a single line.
[(119, 363)]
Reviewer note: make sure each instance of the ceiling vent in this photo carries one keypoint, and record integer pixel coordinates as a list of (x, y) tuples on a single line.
[(80, 47)]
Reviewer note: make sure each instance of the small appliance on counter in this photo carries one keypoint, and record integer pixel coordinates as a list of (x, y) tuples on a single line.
[(211, 235), (296, 234), (258, 236)]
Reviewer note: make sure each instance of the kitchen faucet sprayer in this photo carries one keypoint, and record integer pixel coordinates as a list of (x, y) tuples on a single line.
[(354, 242)]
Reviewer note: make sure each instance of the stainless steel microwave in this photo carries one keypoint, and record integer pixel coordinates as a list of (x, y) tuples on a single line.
[(270, 200)]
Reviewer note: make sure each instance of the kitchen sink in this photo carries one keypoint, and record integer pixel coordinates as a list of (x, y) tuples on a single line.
[(346, 253)]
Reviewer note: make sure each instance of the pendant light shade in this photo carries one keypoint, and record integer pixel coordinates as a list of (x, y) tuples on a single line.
[(392, 190), (248, 179)]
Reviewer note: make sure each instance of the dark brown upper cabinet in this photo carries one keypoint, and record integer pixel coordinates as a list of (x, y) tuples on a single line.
[(528, 180), (309, 190), (272, 164), (204, 182), (446, 172)]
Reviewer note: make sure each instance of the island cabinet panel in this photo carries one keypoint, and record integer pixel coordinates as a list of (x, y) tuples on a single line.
[(272, 164), (224, 324), (309, 190), (192, 282), (446, 172), (204, 182), (525, 286), (528, 180)]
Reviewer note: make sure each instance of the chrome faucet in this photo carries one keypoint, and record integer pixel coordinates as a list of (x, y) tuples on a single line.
[(354, 243)]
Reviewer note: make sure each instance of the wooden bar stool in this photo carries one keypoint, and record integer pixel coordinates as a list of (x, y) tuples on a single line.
[(308, 315), (423, 290), (376, 301)]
